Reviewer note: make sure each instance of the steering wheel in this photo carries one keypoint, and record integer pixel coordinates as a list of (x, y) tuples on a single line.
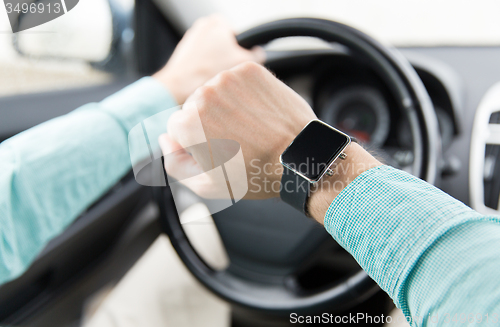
[(267, 241)]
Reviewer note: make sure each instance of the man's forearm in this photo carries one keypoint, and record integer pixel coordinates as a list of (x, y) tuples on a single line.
[(404, 233), (54, 171)]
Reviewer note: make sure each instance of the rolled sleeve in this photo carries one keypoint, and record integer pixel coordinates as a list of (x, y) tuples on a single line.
[(56, 170), (388, 219)]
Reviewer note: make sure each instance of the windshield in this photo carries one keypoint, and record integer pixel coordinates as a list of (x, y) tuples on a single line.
[(397, 22)]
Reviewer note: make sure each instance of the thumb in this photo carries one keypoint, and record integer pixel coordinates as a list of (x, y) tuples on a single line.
[(179, 164), (258, 54)]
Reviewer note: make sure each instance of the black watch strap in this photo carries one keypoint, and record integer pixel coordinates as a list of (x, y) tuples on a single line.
[(294, 190)]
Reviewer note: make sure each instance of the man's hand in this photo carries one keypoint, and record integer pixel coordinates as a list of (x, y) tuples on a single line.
[(249, 105), (246, 104), (206, 49)]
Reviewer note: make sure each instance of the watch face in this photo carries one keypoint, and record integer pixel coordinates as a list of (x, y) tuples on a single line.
[(314, 149)]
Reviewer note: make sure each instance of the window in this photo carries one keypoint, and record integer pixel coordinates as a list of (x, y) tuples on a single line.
[(57, 53)]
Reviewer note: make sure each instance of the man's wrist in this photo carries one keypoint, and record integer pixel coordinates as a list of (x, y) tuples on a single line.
[(169, 82), (323, 193)]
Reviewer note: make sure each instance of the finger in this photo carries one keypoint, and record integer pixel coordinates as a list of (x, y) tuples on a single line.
[(219, 18), (179, 164), (185, 128), (258, 54), (211, 21)]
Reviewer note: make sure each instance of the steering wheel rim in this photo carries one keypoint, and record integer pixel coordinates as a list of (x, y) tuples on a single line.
[(411, 96)]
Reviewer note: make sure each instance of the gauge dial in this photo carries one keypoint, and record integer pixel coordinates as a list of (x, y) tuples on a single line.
[(360, 111)]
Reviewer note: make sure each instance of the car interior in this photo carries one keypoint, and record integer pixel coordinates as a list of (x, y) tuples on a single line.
[(429, 108)]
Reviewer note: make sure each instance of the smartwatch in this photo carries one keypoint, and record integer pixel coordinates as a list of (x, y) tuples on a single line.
[(307, 159)]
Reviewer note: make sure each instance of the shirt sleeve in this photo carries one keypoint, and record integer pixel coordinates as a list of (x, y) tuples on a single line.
[(52, 172), (435, 257)]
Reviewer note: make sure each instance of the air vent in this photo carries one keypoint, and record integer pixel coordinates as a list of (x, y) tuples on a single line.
[(492, 176), (484, 167), (495, 118)]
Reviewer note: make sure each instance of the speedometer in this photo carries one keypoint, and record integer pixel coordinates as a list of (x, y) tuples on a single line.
[(360, 111)]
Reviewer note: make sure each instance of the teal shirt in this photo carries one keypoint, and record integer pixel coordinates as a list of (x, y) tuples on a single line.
[(438, 259), (53, 172), (433, 255)]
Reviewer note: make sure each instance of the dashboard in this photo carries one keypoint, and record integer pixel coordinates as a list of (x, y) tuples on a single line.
[(349, 95)]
